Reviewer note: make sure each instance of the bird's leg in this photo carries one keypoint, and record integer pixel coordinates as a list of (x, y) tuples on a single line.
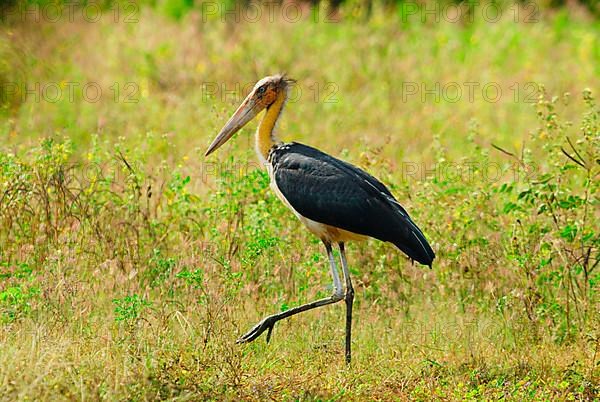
[(349, 300), (269, 322)]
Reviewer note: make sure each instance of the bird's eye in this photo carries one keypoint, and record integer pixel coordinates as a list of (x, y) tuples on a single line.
[(261, 90)]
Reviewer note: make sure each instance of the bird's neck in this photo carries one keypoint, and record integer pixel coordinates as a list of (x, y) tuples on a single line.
[(265, 135)]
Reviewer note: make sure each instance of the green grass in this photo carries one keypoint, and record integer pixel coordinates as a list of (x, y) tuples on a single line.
[(129, 264)]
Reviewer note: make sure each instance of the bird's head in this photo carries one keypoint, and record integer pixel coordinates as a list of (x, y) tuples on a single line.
[(265, 93)]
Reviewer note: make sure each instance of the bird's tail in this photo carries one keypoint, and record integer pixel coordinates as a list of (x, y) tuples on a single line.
[(413, 243)]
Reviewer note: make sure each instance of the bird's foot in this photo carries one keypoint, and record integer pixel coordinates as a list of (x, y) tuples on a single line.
[(266, 324)]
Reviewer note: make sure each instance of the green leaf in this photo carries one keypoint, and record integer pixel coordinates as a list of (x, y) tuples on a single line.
[(569, 233)]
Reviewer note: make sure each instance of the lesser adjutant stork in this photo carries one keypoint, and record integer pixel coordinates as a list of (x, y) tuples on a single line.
[(334, 199)]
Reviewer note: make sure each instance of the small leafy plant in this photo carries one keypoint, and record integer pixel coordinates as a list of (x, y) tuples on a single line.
[(130, 308)]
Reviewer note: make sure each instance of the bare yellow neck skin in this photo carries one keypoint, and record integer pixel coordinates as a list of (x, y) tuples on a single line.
[(265, 138)]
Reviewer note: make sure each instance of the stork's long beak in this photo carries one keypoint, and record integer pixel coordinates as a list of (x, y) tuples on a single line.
[(244, 113)]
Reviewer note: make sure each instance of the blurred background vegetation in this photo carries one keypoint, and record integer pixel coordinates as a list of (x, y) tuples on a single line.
[(179, 8), (129, 264)]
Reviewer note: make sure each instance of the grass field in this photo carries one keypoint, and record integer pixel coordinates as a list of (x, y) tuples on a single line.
[(129, 264)]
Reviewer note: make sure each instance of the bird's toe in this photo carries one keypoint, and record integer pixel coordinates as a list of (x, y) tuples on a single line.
[(257, 330)]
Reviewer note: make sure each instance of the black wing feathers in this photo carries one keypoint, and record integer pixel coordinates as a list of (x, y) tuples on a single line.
[(330, 191)]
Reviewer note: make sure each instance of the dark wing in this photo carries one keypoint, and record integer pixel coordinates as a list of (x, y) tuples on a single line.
[(330, 191)]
